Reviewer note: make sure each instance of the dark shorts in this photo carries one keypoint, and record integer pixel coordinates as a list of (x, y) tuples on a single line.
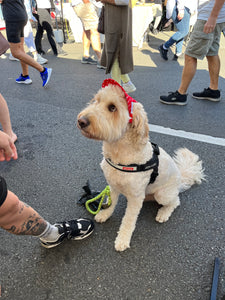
[(3, 190), (15, 30)]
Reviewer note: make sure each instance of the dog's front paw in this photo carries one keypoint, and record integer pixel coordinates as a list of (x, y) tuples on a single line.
[(102, 216), (121, 245), (163, 215)]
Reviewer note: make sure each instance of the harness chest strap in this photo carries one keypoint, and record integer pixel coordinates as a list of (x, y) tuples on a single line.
[(153, 163)]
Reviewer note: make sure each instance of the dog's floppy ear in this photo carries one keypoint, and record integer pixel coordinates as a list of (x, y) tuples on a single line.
[(140, 120)]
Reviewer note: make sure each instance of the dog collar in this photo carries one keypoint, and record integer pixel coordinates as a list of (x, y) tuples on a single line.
[(130, 100), (153, 163)]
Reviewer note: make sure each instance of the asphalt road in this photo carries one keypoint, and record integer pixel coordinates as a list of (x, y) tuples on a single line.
[(170, 261)]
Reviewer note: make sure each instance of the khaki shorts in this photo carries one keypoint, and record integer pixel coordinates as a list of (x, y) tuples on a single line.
[(202, 44), (88, 15)]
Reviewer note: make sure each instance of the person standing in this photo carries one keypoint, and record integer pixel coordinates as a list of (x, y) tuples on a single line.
[(180, 11), (117, 54), (204, 42), (44, 23), (87, 12), (15, 16), (29, 38)]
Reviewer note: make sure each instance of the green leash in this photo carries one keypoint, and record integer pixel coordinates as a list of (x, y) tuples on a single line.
[(103, 194)]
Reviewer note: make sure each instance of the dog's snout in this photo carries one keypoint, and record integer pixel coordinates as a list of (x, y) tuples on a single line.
[(83, 122)]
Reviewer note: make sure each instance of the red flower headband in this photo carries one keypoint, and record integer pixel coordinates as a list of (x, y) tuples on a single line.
[(129, 99)]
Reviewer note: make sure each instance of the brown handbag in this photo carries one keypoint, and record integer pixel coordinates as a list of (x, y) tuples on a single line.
[(101, 28), (4, 45)]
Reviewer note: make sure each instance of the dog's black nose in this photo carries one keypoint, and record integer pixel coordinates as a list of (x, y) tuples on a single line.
[(83, 122)]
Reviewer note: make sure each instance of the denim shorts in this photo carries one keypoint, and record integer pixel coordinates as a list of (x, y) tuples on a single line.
[(3, 190), (202, 44)]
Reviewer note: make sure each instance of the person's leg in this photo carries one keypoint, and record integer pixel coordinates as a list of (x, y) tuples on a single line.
[(39, 36), (115, 71), (214, 70), (29, 38), (95, 42), (17, 50), (180, 97), (182, 30), (189, 70), (5, 119), (86, 43), (18, 218), (46, 23)]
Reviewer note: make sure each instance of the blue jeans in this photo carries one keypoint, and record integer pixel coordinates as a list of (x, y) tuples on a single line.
[(182, 30)]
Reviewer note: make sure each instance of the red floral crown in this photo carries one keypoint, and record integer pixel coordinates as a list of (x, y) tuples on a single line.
[(129, 99)]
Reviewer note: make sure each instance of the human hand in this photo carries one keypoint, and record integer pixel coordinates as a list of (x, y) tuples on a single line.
[(210, 25), (7, 148), (180, 15)]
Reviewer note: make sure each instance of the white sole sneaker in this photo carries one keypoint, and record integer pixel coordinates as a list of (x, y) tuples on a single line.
[(27, 81), (129, 87)]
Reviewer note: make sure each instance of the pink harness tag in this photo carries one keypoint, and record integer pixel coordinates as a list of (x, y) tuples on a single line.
[(130, 100)]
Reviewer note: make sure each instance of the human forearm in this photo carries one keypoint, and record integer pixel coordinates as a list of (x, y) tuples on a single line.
[(211, 22), (216, 8)]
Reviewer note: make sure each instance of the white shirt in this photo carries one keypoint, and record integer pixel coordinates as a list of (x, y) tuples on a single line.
[(43, 3), (204, 10), (190, 4)]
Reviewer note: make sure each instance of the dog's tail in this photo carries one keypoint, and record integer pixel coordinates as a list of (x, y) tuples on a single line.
[(190, 168)]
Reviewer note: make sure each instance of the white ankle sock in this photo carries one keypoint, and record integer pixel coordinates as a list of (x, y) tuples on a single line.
[(50, 234)]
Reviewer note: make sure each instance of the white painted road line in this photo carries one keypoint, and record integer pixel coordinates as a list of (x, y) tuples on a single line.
[(187, 135)]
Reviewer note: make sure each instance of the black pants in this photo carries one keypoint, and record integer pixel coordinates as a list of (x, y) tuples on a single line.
[(3, 190), (44, 23)]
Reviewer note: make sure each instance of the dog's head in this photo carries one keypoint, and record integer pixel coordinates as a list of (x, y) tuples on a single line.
[(109, 116)]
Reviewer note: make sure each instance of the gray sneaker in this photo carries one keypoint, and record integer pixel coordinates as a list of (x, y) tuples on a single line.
[(99, 66), (88, 60)]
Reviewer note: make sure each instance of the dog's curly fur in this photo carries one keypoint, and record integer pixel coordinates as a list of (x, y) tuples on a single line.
[(106, 118)]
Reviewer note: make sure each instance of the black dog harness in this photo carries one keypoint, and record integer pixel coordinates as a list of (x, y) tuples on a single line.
[(153, 163)]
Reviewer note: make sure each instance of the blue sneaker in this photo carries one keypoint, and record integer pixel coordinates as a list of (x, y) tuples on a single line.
[(45, 76), (24, 79)]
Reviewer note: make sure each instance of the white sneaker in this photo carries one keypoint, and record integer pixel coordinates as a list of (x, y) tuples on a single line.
[(129, 87), (11, 57), (41, 60), (3, 56)]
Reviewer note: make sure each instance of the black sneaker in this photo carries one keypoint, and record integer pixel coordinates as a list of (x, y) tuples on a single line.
[(163, 52), (174, 98), (208, 94), (72, 230)]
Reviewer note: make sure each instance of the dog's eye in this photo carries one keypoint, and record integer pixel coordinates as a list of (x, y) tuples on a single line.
[(112, 108)]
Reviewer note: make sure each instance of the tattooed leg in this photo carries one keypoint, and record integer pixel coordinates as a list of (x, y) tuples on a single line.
[(19, 218)]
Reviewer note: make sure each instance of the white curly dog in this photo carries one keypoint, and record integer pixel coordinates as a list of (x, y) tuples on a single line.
[(132, 165)]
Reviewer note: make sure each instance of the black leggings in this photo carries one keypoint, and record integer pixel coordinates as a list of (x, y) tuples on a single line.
[(3, 190), (44, 23)]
